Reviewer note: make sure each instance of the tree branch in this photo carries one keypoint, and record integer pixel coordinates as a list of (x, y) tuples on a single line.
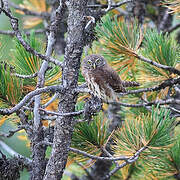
[(25, 76), (11, 132), (12, 33), (98, 157), (106, 6), (168, 68), (158, 102), (166, 83), (15, 27), (43, 15), (14, 153), (64, 125), (63, 114), (173, 28), (129, 161), (9, 111)]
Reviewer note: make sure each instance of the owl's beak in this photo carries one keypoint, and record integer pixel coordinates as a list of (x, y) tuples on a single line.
[(94, 65)]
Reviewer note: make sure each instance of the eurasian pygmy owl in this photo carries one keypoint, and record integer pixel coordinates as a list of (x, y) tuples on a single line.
[(102, 79)]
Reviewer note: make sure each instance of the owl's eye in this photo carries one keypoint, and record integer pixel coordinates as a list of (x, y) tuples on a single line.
[(89, 62), (98, 61)]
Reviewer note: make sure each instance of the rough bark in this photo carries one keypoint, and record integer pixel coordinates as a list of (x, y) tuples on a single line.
[(64, 125)]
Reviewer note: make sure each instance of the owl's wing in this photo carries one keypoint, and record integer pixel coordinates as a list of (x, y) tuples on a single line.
[(112, 78)]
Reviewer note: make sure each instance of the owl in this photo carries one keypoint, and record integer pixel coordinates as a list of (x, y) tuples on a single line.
[(102, 79)]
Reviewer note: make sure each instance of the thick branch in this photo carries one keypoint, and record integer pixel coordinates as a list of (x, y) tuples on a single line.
[(14, 153)]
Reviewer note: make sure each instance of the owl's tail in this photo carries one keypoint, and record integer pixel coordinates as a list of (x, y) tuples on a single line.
[(130, 84)]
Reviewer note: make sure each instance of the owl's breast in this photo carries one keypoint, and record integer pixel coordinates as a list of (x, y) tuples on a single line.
[(99, 87)]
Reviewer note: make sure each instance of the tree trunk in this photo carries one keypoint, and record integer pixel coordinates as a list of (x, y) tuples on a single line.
[(64, 125)]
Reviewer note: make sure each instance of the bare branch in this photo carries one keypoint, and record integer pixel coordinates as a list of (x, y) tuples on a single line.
[(166, 83), (110, 155), (173, 28), (174, 109), (129, 161), (29, 96), (12, 152), (51, 100), (168, 68), (11, 132), (164, 20), (14, 24), (63, 114), (91, 20), (12, 33), (98, 157), (112, 5), (43, 15), (109, 5), (158, 102), (25, 76)]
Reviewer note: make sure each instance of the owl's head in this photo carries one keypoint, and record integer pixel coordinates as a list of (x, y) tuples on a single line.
[(93, 61)]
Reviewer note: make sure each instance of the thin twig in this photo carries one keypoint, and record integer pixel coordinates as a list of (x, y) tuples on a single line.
[(164, 20), (174, 109), (44, 15), (90, 177), (109, 5), (112, 5), (110, 155), (11, 132), (91, 20), (168, 68), (30, 95), (157, 102), (25, 76), (15, 27), (129, 161), (98, 157), (62, 114), (12, 33)]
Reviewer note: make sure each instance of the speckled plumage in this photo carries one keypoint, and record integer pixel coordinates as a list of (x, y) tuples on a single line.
[(102, 79)]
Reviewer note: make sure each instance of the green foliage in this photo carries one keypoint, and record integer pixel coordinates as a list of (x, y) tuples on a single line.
[(91, 137), (161, 49), (10, 86), (119, 42), (119, 37), (24, 61), (166, 164), (152, 131)]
